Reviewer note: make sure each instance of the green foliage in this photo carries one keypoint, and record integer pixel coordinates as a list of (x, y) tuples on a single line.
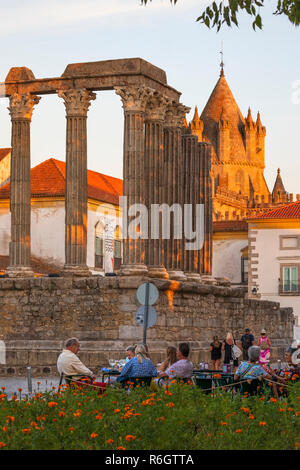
[(215, 15), (76, 418)]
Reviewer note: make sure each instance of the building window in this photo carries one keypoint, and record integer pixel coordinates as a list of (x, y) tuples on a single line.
[(99, 246), (244, 270), (289, 281), (117, 249)]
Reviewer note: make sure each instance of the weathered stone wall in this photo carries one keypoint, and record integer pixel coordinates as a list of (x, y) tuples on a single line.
[(38, 315)]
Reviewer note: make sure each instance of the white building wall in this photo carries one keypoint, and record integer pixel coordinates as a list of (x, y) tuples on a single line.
[(227, 258), (4, 231), (270, 257)]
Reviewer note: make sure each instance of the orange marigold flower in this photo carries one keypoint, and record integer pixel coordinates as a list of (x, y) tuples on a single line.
[(217, 376), (238, 430), (121, 448), (273, 400), (297, 413), (221, 434), (2, 395), (110, 441), (71, 429), (281, 409), (117, 410), (2, 444), (130, 437), (3, 388), (51, 404), (262, 423), (251, 416), (94, 435), (10, 419), (33, 423), (98, 417), (170, 405), (297, 443), (161, 418), (54, 420), (4, 428), (224, 423), (26, 431), (290, 409), (61, 414)]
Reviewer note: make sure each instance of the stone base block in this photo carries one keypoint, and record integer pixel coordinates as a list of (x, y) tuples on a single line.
[(19, 271), (177, 275), (158, 272), (76, 271), (193, 277), (207, 279), (133, 269)]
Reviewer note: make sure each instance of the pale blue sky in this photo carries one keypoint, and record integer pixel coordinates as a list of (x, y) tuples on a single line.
[(260, 67)]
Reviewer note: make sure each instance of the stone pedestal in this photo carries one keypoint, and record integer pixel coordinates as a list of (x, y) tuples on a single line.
[(193, 277), (77, 103), (134, 99), (20, 108)]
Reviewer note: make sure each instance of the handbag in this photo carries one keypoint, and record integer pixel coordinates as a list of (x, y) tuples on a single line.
[(236, 352)]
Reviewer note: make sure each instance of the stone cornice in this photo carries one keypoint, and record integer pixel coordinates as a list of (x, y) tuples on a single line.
[(237, 163)]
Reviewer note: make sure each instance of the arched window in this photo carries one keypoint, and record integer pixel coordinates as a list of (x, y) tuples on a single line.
[(117, 248), (99, 245)]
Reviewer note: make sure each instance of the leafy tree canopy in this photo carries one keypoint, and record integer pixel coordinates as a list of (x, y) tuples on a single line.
[(216, 14)]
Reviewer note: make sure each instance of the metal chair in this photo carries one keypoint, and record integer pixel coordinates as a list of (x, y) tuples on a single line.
[(69, 378)]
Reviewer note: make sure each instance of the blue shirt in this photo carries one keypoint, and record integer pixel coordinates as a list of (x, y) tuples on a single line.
[(255, 371), (134, 368)]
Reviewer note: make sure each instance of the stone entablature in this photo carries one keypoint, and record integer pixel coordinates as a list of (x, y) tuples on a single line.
[(39, 314)]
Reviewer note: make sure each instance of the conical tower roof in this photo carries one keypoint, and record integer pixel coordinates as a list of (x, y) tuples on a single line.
[(278, 186), (222, 102)]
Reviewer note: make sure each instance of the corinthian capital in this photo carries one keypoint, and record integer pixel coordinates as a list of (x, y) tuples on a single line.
[(134, 98), (175, 114), (21, 106), (157, 106), (77, 101)]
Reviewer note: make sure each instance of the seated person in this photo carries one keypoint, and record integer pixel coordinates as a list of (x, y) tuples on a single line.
[(130, 353), (138, 366), (183, 367), (253, 370), (171, 359), (69, 363), (291, 370)]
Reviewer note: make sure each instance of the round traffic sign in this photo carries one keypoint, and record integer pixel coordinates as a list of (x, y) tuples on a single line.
[(153, 293), (141, 313)]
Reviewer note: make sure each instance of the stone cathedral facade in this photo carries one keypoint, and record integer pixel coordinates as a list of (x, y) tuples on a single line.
[(239, 188)]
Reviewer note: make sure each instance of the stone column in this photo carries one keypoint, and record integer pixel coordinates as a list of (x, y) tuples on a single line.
[(191, 196), (21, 107), (154, 179), (77, 102), (206, 183), (134, 99), (173, 189)]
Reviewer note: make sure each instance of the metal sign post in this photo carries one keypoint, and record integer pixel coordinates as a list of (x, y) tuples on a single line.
[(146, 313), (147, 295)]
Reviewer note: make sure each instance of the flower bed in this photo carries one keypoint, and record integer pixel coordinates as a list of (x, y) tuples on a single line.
[(180, 417)]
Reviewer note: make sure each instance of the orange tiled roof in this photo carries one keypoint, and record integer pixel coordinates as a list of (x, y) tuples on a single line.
[(48, 180), (288, 211), (4, 153)]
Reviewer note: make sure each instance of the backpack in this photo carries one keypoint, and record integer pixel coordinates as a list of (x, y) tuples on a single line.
[(264, 345), (246, 341)]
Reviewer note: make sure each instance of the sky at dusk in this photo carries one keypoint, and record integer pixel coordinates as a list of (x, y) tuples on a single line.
[(262, 69)]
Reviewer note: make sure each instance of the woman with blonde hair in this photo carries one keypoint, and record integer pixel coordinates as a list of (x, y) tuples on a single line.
[(227, 348), (216, 352), (138, 366), (171, 359)]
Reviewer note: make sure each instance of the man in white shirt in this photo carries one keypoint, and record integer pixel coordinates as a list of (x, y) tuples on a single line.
[(69, 364), (183, 367)]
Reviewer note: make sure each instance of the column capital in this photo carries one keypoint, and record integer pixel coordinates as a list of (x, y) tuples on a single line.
[(175, 114), (134, 97), (157, 106), (21, 105), (77, 101)]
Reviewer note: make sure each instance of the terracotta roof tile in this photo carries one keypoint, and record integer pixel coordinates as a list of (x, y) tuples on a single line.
[(48, 180), (288, 211)]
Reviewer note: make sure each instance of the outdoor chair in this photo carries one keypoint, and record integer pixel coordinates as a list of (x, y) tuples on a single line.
[(70, 378)]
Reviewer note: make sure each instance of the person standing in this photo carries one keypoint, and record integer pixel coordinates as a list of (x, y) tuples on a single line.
[(264, 343), (216, 353), (227, 348), (247, 340)]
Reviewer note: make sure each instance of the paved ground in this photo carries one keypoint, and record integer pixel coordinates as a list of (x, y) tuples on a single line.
[(12, 384)]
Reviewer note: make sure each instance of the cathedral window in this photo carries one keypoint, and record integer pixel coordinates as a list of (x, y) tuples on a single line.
[(289, 282)]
